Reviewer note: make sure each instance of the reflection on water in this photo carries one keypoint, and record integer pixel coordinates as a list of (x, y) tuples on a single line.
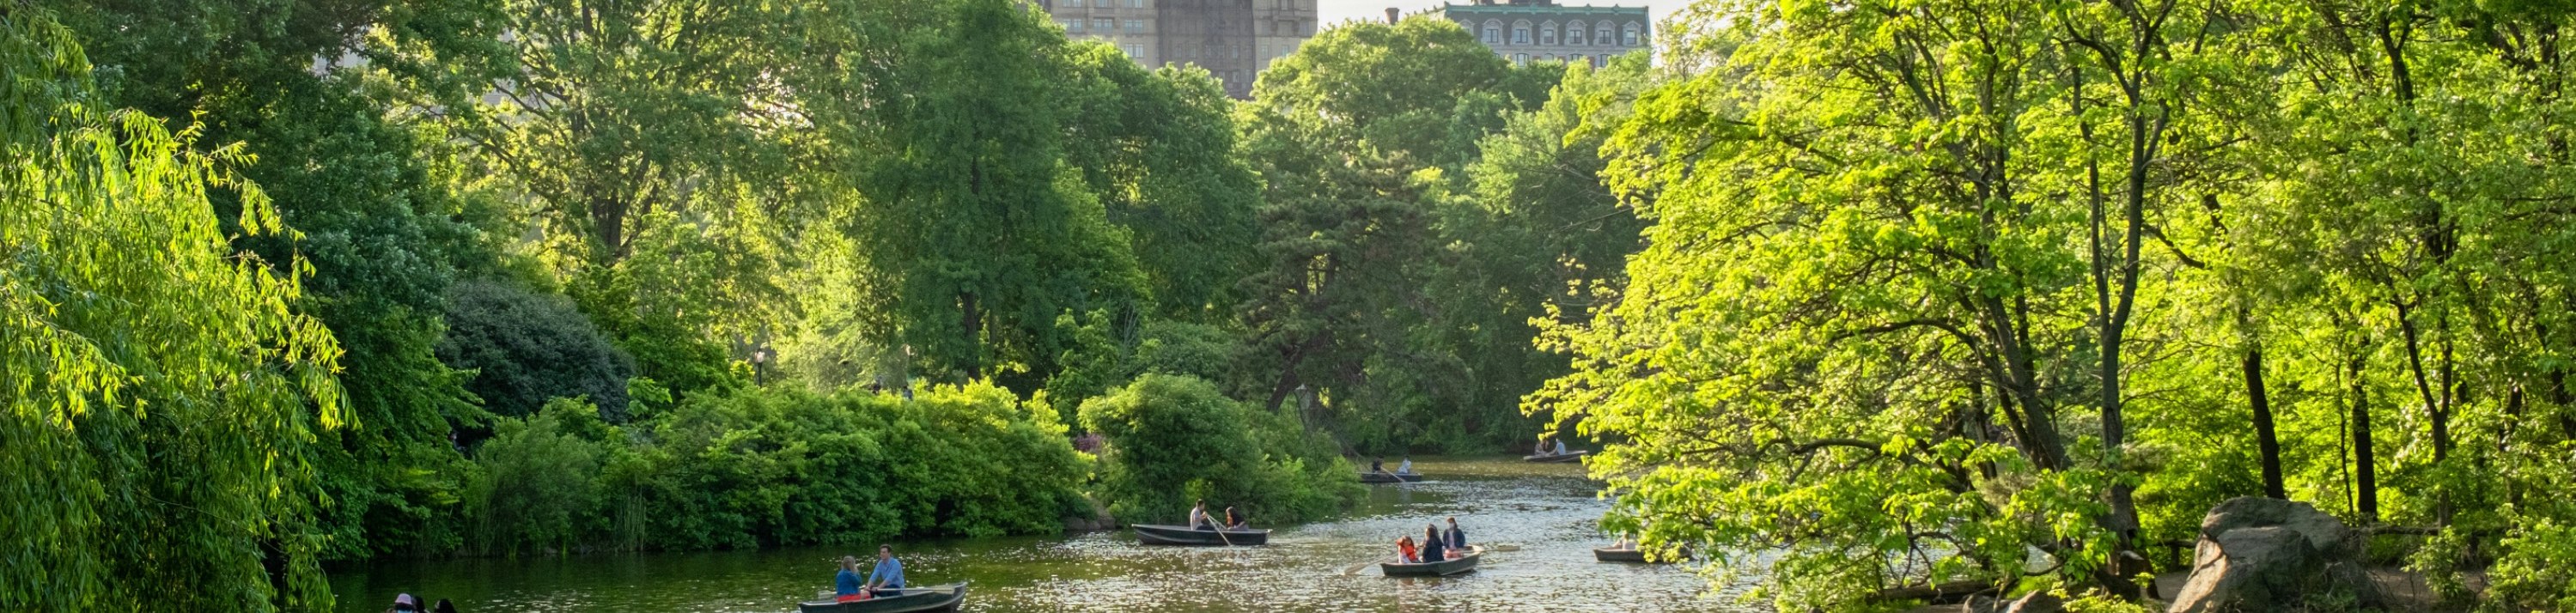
[(1536, 520)]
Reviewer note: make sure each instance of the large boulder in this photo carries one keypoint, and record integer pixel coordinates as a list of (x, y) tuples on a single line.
[(2259, 554)]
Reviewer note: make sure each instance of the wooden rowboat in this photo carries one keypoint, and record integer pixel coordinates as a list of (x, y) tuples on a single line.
[(1152, 534), (933, 598), (1613, 554), (1555, 457), (1440, 568), (1386, 477)]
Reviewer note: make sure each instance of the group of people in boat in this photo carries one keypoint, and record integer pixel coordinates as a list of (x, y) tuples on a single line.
[(885, 580), (405, 603), (1200, 520), (1544, 450), (1378, 465), (1436, 544)]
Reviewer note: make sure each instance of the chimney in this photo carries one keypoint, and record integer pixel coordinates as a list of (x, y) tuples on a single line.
[(1392, 14)]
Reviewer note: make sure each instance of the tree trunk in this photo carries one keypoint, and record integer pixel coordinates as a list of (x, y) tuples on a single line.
[(2366, 480), (971, 319), (2266, 443)]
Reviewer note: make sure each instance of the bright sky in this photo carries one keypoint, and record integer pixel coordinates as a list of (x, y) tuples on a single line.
[(1337, 11)]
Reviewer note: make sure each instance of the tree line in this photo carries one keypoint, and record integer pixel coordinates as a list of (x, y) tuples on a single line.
[(2015, 292), (289, 283)]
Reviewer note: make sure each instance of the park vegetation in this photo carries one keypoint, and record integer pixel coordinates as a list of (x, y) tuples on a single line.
[(1855, 295), (288, 283)]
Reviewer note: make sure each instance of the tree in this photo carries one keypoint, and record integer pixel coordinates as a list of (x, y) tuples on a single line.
[(165, 391)]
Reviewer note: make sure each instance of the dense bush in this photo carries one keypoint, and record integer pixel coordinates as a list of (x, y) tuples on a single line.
[(528, 348), (1174, 439), (758, 468)]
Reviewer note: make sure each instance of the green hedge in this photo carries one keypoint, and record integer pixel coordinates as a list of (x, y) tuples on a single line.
[(776, 467)]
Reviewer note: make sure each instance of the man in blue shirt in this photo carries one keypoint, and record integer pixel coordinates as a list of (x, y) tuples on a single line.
[(845, 586), (887, 579)]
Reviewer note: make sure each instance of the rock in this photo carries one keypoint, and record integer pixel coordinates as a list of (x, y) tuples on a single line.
[(2037, 602), (1980, 603), (2258, 555)]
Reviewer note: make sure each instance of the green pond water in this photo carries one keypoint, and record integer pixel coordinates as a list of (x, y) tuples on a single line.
[(1537, 520)]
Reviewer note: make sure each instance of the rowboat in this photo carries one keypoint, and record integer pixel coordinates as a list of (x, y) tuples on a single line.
[(1151, 534), (933, 598), (1440, 568), (1617, 554), (1387, 477), (1555, 457)]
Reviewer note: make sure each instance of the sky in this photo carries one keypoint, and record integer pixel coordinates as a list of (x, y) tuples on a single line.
[(1337, 11)]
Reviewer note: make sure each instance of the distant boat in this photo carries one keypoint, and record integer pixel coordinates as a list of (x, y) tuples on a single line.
[(1152, 534), (1440, 568), (933, 598), (1555, 457), (1617, 554), (1387, 477)]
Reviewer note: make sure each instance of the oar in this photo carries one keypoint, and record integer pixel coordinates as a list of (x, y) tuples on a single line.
[(1355, 568)]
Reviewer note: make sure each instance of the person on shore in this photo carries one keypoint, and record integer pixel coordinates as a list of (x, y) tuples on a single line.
[(845, 584), (887, 579), (1405, 553), (1457, 538), (1406, 468), (1232, 521), (1199, 517), (1432, 549)]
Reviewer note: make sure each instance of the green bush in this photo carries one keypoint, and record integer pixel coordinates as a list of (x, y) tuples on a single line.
[(1174, 439), (756, 468), (528, 348)]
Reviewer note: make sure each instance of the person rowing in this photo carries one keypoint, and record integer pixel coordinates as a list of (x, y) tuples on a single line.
[(887, 579), (1199, 517)]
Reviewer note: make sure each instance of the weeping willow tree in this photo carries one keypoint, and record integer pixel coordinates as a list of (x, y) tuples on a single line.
[(159, 395)]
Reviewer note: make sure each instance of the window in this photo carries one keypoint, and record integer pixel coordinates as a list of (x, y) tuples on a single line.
[(1135, 4), (1574, 59), (1520, 58), (1104, 25), (1520, 34), (1574, 34), (1629, 36), (1072, 25), (1493, 34), (1136, 51), (1073, 3), (1602, 36), (1135, 26), (1600, 61), (1547, 35)]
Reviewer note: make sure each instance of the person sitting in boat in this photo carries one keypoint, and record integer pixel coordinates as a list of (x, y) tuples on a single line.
[(1377, 465), (845, 584), (1432, 549), (1457, 538), (887, 579), (404, 603), (1560, 447), (1406, 468), (1542, 447), (1233, 521), (1199, 517), (1404, 551)]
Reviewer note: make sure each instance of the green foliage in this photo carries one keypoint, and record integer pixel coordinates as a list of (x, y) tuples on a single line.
[(1174, 439), (757, 468), (163, 392), (527, 348)]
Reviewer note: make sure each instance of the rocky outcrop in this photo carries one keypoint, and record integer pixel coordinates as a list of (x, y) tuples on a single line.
[(2034, 602), (2259, 554)]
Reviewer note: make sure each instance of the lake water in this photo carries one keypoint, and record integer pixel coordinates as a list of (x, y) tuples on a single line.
[(1537, 521)]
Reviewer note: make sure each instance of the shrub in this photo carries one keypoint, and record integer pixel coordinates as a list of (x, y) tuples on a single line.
[(1174, 439), (528, 348)]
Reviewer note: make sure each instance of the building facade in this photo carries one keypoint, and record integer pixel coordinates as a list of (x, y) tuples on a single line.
[(1525, 31), (1233, 39)]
